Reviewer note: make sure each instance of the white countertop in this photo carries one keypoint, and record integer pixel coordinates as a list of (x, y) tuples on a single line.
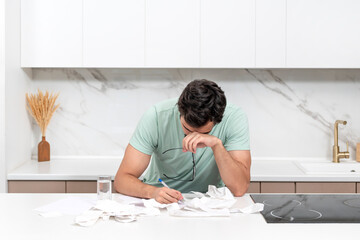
[(18, 220), (89, 169)]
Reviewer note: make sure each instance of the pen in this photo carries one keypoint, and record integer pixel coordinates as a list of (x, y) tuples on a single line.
[(162, 182), (165, 185)]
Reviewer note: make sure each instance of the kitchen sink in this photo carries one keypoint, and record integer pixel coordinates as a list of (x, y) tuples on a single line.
[(330, 168)]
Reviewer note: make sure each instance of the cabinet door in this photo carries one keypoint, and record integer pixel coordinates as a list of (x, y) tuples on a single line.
[(81, 187), (227, 33), (114, 33), (172, 33), (325, 187), (51, 33), (277, 187), (36, 186), (270, 33), (84, 187), (323, 33)]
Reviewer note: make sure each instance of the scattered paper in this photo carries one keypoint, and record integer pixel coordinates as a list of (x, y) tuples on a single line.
[(127, 199), (66, 206), (111, 206), (106, 209), (219, 193), (88, 218), (191, 213), (253, 208), (212, 203), (217, 202), (125, 219), (50, 214)]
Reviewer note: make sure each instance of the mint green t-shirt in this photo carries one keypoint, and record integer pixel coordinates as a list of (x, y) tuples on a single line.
[(160, 129)]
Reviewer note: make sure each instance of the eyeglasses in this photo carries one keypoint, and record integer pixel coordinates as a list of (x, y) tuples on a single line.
[(193, 168)]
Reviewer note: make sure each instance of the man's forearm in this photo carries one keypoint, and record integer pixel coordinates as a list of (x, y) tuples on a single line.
[(234, 174), (132, 186)]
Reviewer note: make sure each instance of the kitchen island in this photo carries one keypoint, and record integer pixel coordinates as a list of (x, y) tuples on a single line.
[(18, 220)]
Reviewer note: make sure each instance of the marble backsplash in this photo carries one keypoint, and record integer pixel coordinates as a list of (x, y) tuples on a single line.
[(291, 112)]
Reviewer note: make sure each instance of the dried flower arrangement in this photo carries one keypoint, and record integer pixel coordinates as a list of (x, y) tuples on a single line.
[(42, 107)]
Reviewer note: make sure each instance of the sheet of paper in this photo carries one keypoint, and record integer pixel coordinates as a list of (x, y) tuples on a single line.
[(252, 208), (217, 202), (219, 193), (127, 199), (67, 206), (106, 209), (213, 213)]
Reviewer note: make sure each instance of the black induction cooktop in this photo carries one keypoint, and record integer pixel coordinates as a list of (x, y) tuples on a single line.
[(309, 208)]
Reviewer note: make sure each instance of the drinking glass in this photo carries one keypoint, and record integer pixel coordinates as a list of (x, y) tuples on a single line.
[(104, 187)]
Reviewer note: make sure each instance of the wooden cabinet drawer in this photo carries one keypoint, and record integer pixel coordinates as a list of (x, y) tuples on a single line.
[(277, 187), (36, 186), (325, 187)]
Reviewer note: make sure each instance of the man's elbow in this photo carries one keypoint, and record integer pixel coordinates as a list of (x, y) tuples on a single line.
[(241, 190), (118, 181), (239, 193)]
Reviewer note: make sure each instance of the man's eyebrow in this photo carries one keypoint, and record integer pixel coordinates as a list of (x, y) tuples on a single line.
[(192, 131), (187, 128)]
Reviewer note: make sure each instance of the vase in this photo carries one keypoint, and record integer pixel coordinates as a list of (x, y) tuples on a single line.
[(43, 150)]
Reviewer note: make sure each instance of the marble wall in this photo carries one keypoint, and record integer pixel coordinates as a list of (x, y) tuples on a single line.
[(291, 112)]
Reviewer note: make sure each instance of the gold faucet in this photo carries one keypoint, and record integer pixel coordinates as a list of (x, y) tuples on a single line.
[(336, 150)]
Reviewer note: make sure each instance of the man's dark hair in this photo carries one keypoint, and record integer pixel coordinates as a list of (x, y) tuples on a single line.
[(202, 101)]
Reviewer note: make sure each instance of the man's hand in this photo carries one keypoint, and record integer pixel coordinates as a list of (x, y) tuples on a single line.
[(167, 195), (198, 140)]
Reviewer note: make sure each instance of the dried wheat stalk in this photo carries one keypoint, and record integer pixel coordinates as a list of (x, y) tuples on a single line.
[(42, 107)]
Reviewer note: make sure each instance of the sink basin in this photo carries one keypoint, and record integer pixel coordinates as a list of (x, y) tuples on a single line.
[(330, 168)]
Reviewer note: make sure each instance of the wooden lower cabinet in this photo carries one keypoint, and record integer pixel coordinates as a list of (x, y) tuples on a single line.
[(277, 187), (325, 187), (53, 186), (36, 186), (254, 187), (83, 187)]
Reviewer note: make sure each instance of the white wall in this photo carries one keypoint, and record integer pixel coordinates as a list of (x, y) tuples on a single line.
[(2, 98), (291, 112), (18, 130)]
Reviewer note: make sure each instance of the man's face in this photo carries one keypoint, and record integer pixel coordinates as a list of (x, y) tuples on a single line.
[(188, 129)]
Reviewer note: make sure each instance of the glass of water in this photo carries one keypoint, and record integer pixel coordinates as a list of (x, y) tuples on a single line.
[(104, 188)]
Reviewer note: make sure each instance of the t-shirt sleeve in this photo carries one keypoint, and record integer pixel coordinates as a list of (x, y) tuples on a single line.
[(145, 136), (237, 137)]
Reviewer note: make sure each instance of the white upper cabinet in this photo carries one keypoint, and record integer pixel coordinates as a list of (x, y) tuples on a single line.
[(323, 33), (114, 33), (270, 33), (51, 33), (190, 33), (227, 33), (172, 35)]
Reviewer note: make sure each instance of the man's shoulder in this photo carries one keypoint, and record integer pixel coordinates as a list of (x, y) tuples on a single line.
[(233, 109), (233, 115), (166, 105)]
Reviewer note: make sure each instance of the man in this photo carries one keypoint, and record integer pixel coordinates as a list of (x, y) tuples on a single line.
[(194, 141)]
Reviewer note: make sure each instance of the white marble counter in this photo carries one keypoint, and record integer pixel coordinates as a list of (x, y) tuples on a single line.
[(89, 169), (19, 221), (79, 169)]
